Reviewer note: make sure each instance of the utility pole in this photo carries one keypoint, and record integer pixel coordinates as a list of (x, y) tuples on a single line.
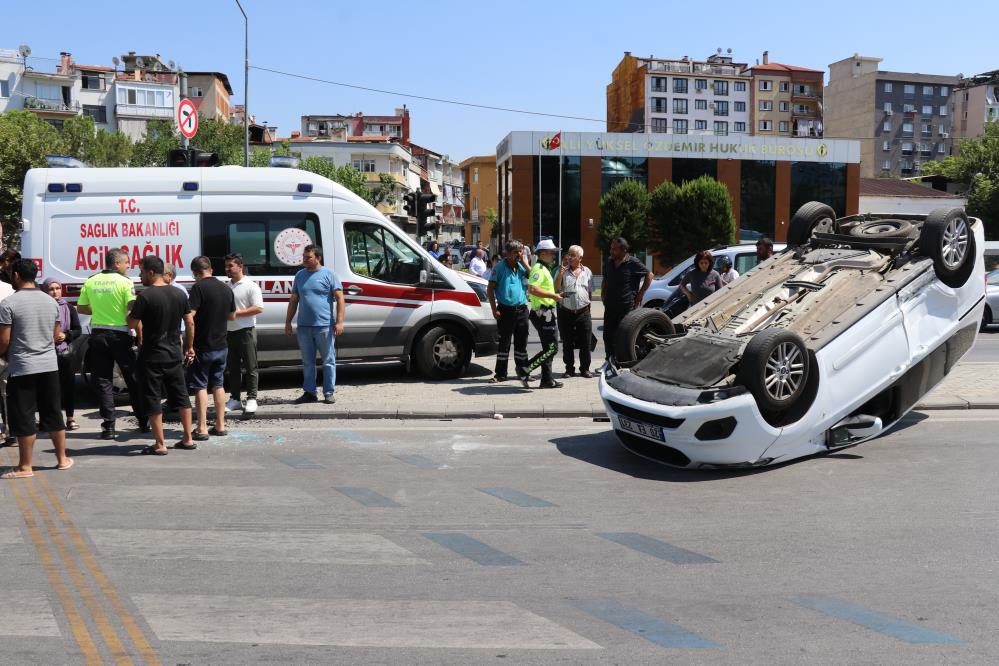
[(246, 86)]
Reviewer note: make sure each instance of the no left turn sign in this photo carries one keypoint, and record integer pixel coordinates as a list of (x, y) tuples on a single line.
[(187, 118)]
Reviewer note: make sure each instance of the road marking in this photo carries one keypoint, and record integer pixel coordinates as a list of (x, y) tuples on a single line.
[(136, 634), (419, 461), (367, 497), (516, 497), (76, 624), (27, 613), (299, 462), (312, 547), (657, 548), (355, 623), (249, 497), (647, 626), (880, 622), (473, 549)]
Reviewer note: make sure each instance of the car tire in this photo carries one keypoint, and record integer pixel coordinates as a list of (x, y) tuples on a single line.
[(775, 367), (630, 344), (443, 353), (812, 216), (946, 237), (880, 229)]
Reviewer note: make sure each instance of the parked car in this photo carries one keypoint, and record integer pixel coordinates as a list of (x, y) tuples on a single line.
[(816, 349), (991, 299)]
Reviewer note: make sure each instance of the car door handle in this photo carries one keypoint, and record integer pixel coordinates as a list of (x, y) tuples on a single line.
[(354, 290)]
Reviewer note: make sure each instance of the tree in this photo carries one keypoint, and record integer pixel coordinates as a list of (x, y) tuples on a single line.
[(158, 141), (691, 217), (220, 137), (624, 212), (25, 140), (977, 165), (109, 149), (77, 135), (385, 192), (488, 216), (346, 175)]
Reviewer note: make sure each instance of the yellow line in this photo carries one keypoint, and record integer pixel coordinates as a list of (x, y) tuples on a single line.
[(131, 626), (76, 623), (97, 613)]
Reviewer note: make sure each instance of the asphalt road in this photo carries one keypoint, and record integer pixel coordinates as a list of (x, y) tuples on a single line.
[(536, 542)]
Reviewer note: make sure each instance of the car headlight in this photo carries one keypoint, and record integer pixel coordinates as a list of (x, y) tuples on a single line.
[(715, 395)]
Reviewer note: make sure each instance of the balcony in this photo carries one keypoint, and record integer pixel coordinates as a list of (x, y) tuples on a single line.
[(804, 95), (51, 106), (143, 111)]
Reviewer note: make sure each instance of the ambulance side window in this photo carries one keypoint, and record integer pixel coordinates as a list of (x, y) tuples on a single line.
[(258, 237), (377, 253)]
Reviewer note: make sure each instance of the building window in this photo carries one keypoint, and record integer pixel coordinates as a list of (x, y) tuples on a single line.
[(4, 88), (943, 110), (700, 84), (140, 97), (700, 124), (766, 85), (906, 129), (475, 176), (700, 104), (785, 86), (680, 85), (802, 110), (659, 83), (92, 81), (909, 108), (196, 91), (886, 165), (887, 107), (784, 106), (97, 112), (927, 129), (721, 108), (885, 146), (886, 126), (721, 128), (679, 105), (941, 148), (927, 110), (766, 105), (659, 105), (909, 89), (660, 125), (740, 86), (925, 149), (944, 91), (766, 126), (721, 87), (364, 166), (740, 127), (475, 203), (906, 147), (928, 90), (740, 107), (782, 127), (887, 86), (680, 126)]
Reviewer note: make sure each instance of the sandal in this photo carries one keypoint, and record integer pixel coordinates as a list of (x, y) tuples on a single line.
[(217, 433), (187, 447), (71, 424), (69, 463), (151, 450), (13, 473)]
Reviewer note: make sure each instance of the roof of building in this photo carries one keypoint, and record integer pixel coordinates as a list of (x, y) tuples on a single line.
[(95, 68), (915, 77), (980, 79), (474, 159), (780, 67), (892, 187), (218, 75)]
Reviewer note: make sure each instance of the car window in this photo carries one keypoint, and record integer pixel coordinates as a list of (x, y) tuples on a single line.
[(994, 279), (679, 271), (743, 262), (271, 243), (378, 253)]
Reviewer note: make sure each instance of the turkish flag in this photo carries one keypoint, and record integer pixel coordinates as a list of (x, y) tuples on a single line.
[(555, 142)]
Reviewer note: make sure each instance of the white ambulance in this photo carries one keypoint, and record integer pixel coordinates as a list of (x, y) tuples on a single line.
[(401, 303)]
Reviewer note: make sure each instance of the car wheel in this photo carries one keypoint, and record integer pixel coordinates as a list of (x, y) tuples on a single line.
[(639, 332), (812, 216), (775, 369), (883, 229), (443, 353), (986, 318), (947, 238)]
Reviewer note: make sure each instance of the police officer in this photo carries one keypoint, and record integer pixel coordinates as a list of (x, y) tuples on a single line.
[(108, 297), (543, 297), (508, 300)]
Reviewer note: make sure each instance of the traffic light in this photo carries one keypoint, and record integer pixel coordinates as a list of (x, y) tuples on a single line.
[(409, 204), (191, 158), (424, 211)]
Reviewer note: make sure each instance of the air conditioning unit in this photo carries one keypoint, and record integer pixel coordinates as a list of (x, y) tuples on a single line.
[(711, 105), (889, 112), (945, 135)]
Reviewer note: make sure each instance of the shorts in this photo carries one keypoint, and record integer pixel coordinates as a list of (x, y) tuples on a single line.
[(27, 394), (157, 381), (208, 370)]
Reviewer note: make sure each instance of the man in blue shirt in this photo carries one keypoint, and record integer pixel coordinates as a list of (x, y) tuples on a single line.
[(507, 295), (312, 297)]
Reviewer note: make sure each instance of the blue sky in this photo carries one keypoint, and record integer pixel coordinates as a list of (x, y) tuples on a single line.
[(552, 57)]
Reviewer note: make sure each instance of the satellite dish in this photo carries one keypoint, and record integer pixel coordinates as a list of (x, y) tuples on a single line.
[(157, 66), (140, 62), (171, 65), (730, 50), (24, 50), (115, 61)]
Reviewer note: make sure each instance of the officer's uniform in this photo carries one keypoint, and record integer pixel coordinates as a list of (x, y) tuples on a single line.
[(545, 322), (511, 300)]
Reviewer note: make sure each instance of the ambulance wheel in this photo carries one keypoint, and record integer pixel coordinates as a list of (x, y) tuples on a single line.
[(442, 353)]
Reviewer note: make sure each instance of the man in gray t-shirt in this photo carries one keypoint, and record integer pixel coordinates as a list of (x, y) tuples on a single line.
[(29, 323)]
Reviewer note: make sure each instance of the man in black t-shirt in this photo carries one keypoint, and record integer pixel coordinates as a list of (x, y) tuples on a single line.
[(625, 282), (156, 317), (213, 306)]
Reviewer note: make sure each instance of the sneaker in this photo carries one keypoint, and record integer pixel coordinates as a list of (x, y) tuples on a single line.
[(233, 405), (586, 374), (569, 372), (251, 406), (329, 399), (107, 432), (305, 398)]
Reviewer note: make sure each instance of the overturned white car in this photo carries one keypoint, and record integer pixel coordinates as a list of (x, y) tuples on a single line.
[(821, 347)]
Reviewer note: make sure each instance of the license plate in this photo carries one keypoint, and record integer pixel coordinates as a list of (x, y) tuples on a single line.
[(643, 429)]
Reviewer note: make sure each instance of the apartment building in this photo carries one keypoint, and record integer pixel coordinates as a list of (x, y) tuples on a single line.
[(786, 100), (901, 119), (52, 96), (340, 126), (440, 176), (679, 96), (148, 89), (976, 103), (479, 173), (210, 93)]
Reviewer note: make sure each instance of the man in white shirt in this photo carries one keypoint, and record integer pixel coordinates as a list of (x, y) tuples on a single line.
[(241, 362), (726, 272), (478, 264)]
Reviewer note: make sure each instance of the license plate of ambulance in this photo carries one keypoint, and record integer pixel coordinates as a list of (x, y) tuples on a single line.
[(643, 429)]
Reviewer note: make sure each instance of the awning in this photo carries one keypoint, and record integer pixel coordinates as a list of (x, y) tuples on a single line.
[(435, 188)]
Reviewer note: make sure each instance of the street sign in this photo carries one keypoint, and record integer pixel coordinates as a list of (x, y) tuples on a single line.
[(187, 118)]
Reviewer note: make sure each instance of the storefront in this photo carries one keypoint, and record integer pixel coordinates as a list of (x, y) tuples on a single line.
[(550, 183)]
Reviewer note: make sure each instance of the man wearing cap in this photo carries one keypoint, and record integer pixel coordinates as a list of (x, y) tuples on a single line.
[(543, 297)]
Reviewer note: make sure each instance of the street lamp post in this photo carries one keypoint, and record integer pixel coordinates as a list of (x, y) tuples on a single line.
[(246, 85)]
